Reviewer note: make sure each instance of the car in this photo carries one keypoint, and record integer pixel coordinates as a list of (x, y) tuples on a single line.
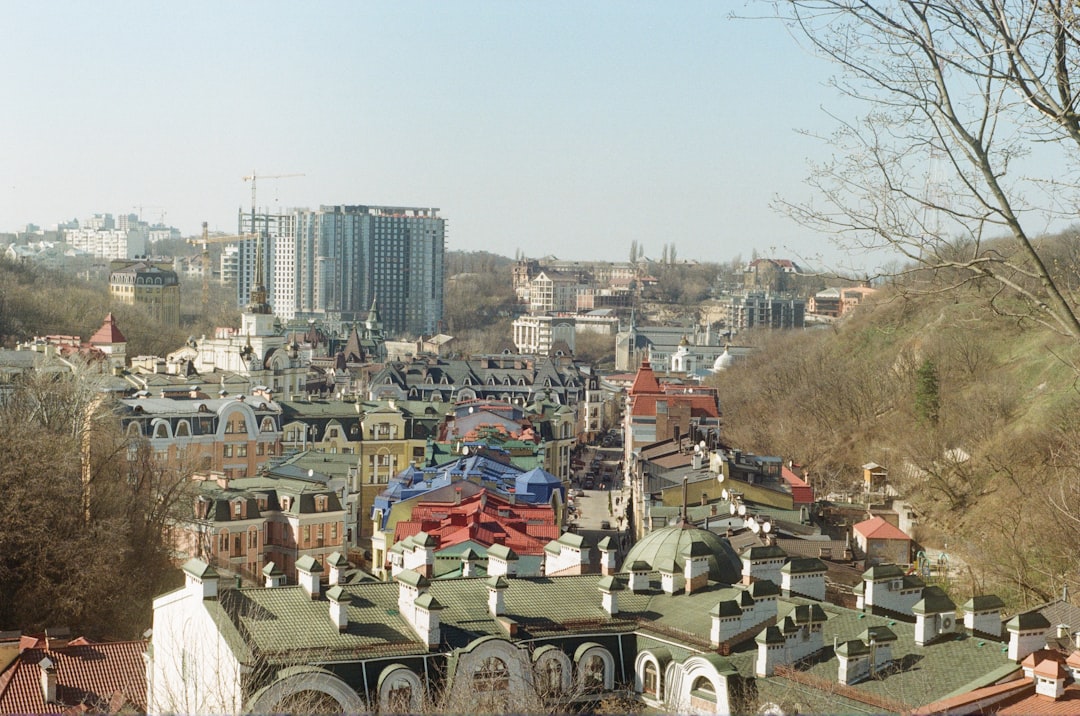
[(605, 525), (589, 483)]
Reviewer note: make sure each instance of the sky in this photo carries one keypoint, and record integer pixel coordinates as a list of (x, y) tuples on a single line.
[(558, 128)]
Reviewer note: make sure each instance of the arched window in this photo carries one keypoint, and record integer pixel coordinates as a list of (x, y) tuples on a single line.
[(399, 698), (161, 430), (593, 673), (491, 675), (651, 683), (704, 688), (267, 425), (134, 430), (182, 429), (550, 676)]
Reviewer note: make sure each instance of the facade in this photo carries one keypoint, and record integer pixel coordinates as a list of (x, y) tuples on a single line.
[(763, 310), (539, 334), (235, 435), (108, 243), (242, 525), (152, 287), (677, 629), (882, 542), (334, 262)]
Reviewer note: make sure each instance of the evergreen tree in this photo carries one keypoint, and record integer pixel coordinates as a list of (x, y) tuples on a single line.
[(927, 393)]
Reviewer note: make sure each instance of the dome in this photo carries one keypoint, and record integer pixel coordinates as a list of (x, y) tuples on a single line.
[(724, 360), (670, 542)]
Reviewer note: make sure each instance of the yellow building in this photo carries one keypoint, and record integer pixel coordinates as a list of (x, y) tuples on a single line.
[(142, 283)]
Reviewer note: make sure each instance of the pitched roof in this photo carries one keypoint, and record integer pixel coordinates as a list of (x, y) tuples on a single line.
[(103, 677), (878, 528), (108, 333)]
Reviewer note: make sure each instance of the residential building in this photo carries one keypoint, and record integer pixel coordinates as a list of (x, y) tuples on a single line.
[(149, 285), (763, 310), (334, 262), (233, 434), (242, 525), (109, 243), (771, 275), (540, 334), (881, 542)]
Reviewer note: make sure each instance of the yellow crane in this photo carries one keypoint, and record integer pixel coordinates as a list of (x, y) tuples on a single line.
[(204, 241)]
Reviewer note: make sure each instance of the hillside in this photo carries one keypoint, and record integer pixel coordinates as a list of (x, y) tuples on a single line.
[(974, 415)]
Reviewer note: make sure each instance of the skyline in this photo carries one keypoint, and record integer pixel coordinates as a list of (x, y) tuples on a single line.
[(563, 129)]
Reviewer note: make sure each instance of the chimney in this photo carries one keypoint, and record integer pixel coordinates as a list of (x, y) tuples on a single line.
[(607, 556), (469, 558), (201, 579), (1026, 634), (609, 587), (457, 495), (57, 637), (511, 495), (696, 566), (339, 603), (639, 575), (274, 576), (502, 561), (496, 587), (48, 680), (337, 564), (308, 570)]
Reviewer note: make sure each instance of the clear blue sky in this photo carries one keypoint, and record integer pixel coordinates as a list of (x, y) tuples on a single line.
[(565, 128)]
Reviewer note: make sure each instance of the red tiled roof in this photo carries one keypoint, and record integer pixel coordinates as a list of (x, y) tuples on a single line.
[(1038, 705), (523, 527), (878, 528), (96, 677), (701, 406), (986, 696), (801, 492), (108, 333), (645, 381)]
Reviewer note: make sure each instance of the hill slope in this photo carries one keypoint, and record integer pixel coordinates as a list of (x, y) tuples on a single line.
[(977, 419)]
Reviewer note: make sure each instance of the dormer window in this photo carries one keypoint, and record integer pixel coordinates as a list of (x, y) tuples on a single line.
[(237, 509)]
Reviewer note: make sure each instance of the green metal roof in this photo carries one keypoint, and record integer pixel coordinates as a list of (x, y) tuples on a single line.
[(984, 603), (934, 601)]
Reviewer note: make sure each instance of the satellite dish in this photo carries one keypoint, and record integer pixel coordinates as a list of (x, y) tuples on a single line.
[(720, 478), (742, 510), (311, 473), (732, 508), (464, 449), (697, 448), (724, 493), (766, 527), (702, 444), (754, 526)]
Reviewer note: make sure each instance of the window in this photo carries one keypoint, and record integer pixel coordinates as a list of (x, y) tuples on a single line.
[(492, 675), (260, 448), (241, 450), (237, 508), (594, 673), (228, 448), (333, 531), (307, 534), (651, 680)]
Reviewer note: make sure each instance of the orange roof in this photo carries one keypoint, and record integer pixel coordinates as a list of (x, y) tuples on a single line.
[(645, 381), (99, 677), (878, 528)]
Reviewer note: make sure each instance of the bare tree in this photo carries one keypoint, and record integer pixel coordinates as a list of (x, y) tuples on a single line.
[(969, 149)]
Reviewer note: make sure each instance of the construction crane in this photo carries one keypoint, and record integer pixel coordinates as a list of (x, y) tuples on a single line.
[(205, 240), (258, 302), (140, 207)]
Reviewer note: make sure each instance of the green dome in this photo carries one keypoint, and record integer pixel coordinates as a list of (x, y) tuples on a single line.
[(669, 543)]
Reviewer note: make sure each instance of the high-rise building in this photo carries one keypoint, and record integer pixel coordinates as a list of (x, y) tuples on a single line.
[(333, 263)]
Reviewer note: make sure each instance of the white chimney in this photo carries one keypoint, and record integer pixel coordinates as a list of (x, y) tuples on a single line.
[(201, 579), (273, 575), (339, 602), (48, 680), (496, 587), (308, 570), (337, 563)]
